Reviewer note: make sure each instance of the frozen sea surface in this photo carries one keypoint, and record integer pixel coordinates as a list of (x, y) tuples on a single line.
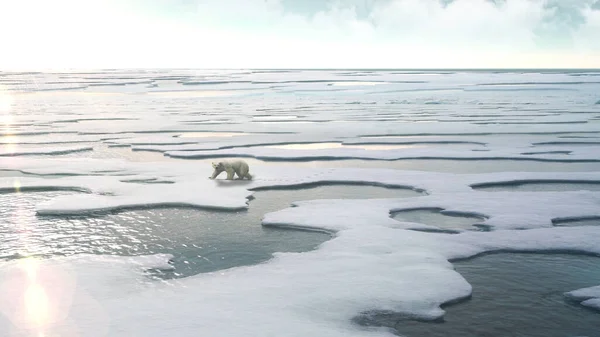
[(367, 184)]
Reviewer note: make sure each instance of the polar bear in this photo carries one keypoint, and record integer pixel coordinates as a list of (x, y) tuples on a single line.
[(238, 167)]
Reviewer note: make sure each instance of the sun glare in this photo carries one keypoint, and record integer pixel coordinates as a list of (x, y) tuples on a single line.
[(36, 302), (37, 306), (17, 185)]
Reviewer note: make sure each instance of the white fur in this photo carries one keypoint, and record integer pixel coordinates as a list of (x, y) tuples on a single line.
[(238, 167)]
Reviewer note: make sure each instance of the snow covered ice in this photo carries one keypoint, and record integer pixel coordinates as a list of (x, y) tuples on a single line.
[(297, 126)]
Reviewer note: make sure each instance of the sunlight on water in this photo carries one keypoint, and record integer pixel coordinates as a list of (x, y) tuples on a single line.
[(322, 146), (201, 240), (17, 185)]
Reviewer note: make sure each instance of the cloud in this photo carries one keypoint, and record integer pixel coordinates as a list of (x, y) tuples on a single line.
[(282, 33), (560, 21)]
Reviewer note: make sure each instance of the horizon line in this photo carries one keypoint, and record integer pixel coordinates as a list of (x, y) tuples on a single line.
[(41, 70)]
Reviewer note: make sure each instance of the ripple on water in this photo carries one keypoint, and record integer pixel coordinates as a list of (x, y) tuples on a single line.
[(514, 295), (201, 241)]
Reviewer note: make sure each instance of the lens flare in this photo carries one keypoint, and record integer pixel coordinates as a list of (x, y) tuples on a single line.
[(37, 304)]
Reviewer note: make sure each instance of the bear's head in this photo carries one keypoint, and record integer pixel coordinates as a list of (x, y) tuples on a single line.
[(218, 166)]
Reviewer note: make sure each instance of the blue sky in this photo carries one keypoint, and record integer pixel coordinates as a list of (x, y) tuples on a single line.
[(300, 33)]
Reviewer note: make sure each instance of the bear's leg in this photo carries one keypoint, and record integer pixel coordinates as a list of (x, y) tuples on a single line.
[(243, 171), (216, 173), (230, 173)]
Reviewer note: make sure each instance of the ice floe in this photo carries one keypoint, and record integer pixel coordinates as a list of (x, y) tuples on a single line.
[(501, 210), (589, 297), (189, 186)]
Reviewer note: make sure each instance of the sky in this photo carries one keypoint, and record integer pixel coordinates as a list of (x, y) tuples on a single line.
[(91, 34)]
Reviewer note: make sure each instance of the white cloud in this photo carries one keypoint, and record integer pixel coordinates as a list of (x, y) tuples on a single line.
[(261, 33)]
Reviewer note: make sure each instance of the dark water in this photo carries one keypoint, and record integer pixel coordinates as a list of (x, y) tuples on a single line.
[(518, 295), (446, 221), (592, 221), (201, 241), (540, 187)]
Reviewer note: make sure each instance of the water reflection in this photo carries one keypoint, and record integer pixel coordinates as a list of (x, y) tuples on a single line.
[(201, 241)]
